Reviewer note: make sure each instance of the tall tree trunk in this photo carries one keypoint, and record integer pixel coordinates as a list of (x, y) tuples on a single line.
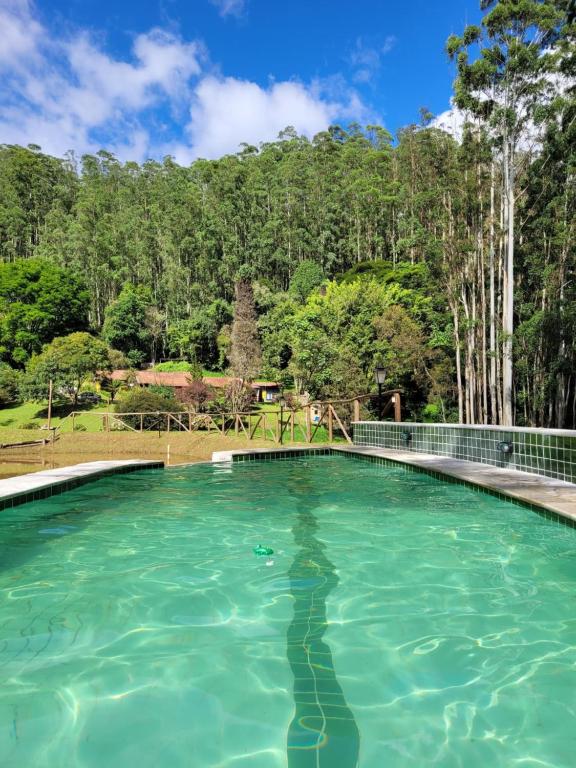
[(508, 307), (493, 394)]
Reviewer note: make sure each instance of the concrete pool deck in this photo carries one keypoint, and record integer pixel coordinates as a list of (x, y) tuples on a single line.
[(556, 496), (49, 482)]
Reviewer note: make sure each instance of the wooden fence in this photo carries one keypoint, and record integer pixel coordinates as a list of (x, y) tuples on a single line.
[(333, 416)]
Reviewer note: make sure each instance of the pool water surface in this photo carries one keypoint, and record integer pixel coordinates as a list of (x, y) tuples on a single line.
[(401, 621)]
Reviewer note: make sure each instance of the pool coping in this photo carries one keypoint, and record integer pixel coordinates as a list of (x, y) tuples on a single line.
[(50, 482), (535, 491)]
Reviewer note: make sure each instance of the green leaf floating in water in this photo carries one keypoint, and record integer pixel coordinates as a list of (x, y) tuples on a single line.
[(261, 551)]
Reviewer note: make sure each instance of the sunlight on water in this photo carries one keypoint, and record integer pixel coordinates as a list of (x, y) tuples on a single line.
[(400, 622)]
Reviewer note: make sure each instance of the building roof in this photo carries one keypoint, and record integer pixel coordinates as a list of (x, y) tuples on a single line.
[(158, 378), (264, 384), (180, 379)]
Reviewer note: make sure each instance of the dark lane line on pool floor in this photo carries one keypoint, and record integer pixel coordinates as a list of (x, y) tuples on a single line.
[(323, 732)]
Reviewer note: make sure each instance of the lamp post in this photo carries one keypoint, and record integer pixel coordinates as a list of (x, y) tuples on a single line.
[(380, 378)]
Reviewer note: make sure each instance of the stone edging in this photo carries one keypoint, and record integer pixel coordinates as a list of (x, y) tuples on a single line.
[(50, 482), (534, 491)]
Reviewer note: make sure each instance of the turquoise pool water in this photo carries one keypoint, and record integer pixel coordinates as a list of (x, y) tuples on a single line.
[(401, 622)]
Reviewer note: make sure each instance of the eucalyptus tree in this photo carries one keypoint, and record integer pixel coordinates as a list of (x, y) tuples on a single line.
[(506, 70)]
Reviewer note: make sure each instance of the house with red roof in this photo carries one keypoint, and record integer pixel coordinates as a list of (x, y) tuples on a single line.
[(178, 381)]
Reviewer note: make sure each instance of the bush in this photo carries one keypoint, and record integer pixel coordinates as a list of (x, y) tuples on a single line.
[(171, 366), (145, 401), (9, 382), (159, 389), (30, 425)]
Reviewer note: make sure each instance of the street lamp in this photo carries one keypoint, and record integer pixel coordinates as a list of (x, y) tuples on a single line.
[(380, 378)]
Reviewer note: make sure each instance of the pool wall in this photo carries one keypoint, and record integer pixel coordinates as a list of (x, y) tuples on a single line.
[(50, 482), (548, 452)]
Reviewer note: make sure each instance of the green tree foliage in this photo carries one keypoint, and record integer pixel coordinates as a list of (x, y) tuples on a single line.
[(9, 384), (307, 276), (330, 345), (68, 361), (125, 326), (38, 301)]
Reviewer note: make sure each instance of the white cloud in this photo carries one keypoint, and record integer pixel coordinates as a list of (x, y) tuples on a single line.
[(451, 120), (20, 33), (227, 111), (229, 7), (59, 92), (70, 94)]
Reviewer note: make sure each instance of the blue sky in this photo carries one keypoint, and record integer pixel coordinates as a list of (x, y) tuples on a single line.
[(196, 78)]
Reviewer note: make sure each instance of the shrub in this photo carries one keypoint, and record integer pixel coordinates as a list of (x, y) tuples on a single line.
[(9, 382), (30, 425), (145, 401), (198, 395)]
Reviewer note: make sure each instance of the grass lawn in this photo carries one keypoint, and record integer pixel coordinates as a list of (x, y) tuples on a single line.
[(30, 417)]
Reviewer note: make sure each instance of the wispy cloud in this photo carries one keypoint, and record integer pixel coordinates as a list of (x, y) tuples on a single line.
[(71, 94), (230, 7), (366, 59)]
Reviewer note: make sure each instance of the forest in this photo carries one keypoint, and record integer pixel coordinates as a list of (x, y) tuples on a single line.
[(450, 260)]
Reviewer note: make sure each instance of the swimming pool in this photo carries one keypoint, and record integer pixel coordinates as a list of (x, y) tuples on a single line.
[(401, 621)]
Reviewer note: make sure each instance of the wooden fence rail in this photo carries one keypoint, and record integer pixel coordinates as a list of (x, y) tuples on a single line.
[(335, 416)]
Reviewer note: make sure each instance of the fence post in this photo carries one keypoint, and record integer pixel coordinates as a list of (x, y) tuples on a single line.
[(397, 407), (73, 420), (292, 419), (236, 425), (330, 424), (141, 422), (308, 424), (356, 410), (279, 427)]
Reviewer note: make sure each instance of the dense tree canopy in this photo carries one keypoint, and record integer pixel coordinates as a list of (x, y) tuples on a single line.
[(68, 361), (38, 300), (359, 246)]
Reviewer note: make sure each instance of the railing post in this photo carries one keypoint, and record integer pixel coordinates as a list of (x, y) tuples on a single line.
[(279, 427), (73, 420), (356, 410), (167, 422), (397, 407), (308, 424), (330, 424), (292, 419)]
